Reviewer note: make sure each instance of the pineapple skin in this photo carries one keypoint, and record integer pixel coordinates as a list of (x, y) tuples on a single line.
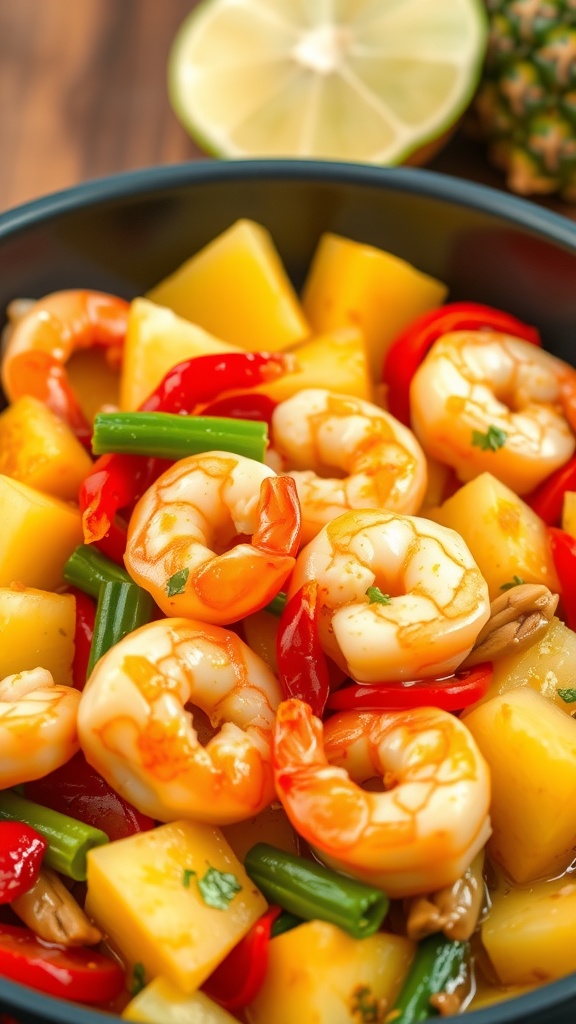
[(525, 107)]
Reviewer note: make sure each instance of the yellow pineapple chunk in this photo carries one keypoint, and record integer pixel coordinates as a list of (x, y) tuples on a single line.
[(157, 339), (337, 360), (316, 972), (352, 283), (94, 379), (507, 539), (37, 630), (569, 513), (162, 1003), (148, 894), (530, 747), (529, 933), (39, 449), (38, 535), (237, 288)]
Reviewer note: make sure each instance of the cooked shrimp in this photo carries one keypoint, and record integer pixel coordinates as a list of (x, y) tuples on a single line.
[(486, 401), (429, 604), (417, 836), (378, 460), (41, 341), (183, 532), (135, 730), (37, 726)]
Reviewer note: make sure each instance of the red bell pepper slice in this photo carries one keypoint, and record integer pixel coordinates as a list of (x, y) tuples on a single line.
[(451, 693), (116, 480), (83, 633), (80, 974), (563, 547), (249, 405), (239, 978), (77, 789), (21, 854), (548, 499), (408, 350), (302, 665)]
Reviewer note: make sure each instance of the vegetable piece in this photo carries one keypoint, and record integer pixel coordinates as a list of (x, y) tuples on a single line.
[(36, 628), (311, 890), (239, 978), (452, 693), (563, 548), (115, 482), (547, 500), (301, 662), (318, 973), (409, 348), (78, 974), (343, 350), (244, 405), (529, 933), (88, 569), (353, 283), (22, 850), (68, 839), (438, 966), (261, 309), (122, 608), (506, 538), (38, 534), (51, 911), (568, 522), (83, 634), (137, 895), (77, 790), (39, 449), (162, 1001), (170, 436), (529, 745)]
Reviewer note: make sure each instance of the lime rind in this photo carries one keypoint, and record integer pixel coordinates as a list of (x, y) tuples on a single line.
[(236, 105)]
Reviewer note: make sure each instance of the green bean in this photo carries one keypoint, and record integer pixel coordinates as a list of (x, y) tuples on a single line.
[(122, 608), (169, 436), (87, 569), (438, 963)]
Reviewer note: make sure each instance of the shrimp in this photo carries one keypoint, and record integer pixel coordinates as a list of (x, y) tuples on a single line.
[(37, 726), (181, 537), (380, 462), (418, 835), (400, 597), (134, 728), (42, 340), (481, 401)]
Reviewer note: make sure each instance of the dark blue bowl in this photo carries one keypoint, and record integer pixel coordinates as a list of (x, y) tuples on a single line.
[(122, 234)]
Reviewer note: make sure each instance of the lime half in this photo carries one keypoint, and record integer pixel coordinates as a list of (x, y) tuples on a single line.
[(366, 80)]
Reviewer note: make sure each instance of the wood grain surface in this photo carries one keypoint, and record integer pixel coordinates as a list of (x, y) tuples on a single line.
[(83, 95)]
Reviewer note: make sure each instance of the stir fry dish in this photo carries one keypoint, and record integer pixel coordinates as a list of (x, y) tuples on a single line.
[(288, 621)]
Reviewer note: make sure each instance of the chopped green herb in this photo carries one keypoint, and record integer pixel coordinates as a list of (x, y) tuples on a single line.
[(277, 604), (568, 696), (138, 979), (218, 888), (375, 596), (187, 874), (517, 581), (366, 1008), (491, 441), (177, 583)]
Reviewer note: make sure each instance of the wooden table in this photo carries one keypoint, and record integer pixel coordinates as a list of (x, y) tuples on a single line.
[(83, 94)]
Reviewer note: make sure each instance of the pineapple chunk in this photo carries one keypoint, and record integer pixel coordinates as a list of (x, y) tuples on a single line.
[(337, 360), (317, 972), (39, 449), (143, 892), (505, 536), (529, 933), (161, 1003), (530, 747), (547, 666), (352, 283), (569, 513), (95, 379), (157, 339), (237, 288), (37, 630), (39, 533)]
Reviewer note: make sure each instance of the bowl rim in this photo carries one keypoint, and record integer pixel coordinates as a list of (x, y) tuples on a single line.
[(516, 210), (414, 180)]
